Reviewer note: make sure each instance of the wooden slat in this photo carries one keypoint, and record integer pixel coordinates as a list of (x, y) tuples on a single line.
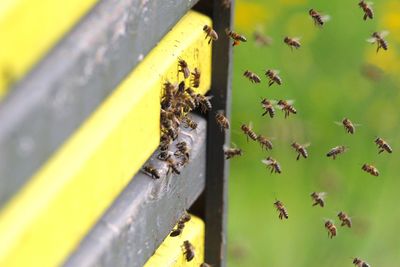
[(48, 217)]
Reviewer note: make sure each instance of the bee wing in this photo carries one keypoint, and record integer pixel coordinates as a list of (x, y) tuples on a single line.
[(306, 145), (290, 101), (323, 194), (226, 148), (325, 18), (296, 39), (371, 40), (276, 71), (266, 161), (384, 33), (357, 124), (370, 3), (338, 123), (251, 125)]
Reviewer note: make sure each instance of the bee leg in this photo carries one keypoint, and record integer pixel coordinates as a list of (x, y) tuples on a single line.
[(365, 16), (209, 41), (379, 46), (271, 82), (298, 157), (380, 151)]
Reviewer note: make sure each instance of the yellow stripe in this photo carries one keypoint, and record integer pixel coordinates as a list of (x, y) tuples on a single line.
[(170, 253), (29, 28), (45, 221)]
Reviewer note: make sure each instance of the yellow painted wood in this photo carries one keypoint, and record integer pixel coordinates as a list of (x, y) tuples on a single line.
[(29, 28), (44, 222), (170, 252)]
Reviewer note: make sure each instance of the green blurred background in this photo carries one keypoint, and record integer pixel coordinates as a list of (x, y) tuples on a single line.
[(325, 77)]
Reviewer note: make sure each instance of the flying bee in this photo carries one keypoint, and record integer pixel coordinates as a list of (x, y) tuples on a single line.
[(210, 33), (264, 142), (383, 145), (254, 78), (292, 42), (349, 126), (370, 169), (318, 18), (378, 38), (232, 152), (345, 219), (337, 150), (332, 230), (272, 164), (301, 150), (181, 224), (366, 7), (318, 198), (190, 123), (273, 77), (222, 121), (268, 106), (196, 78), (204, 102), (281, 209), (248, 132), (151, 171), (184, 68), (287, 107), (360, 263), (237, 38), (261, 39), (189, 250)]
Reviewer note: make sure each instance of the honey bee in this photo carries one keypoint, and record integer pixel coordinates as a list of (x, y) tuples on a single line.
[(237, 38), (281, 209), (319, 198), (210, 33), (165, 141), (383, 145), (232, 152), (248, 132), (204, 102), (254, 78), (360, 263), (268, 106), (183, 151), (337, 150), (264, 142), (378, 38), (169, 93), (163, 155), (292, 42), (172, 165), (196, 78), (189, 250), (272, 164), (153, 172), (190, 123), (345, 219), (370, 169), (261, 39), (319, 19), (273, 77), (222, 121), (349, 126), (184, 68), (287, 107), (181, 224), (366, 7), (332, 230), (301, 150)]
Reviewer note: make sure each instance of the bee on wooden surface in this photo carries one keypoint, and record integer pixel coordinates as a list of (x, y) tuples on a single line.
[(370, 169), (190, 123), (318, 198), (378, 38), (169, 93), (332, 230), (345, 219), (181, 225), (226, 4), (337, 150), (287, 107), (172, 165), (273, 77), (184, 68), (189, 250), (237, 38), (283, 213), (151, 171), (383, 145), (272, 164), (261, 39), (254, 78), (196, 78), (231, 152), (301, 150), (248, 132), (360, 263), (204, 102), (366, 7), (318, 18), (222, 121), (292, 42), (264, 142), (210, 33), (348, 125), (268, 106)]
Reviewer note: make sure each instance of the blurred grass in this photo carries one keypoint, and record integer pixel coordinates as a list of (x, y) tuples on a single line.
[(324, 78)]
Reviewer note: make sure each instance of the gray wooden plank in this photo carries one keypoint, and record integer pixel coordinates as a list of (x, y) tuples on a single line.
[(54, 99), (145, 212)]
